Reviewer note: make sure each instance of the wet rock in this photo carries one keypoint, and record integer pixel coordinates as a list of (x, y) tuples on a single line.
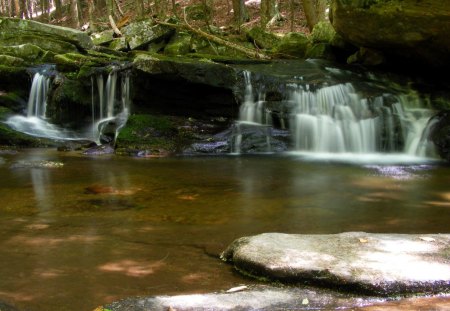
[(257, 138), (261, 298), (99, 150), (440, 134), (37, 164), (409, 32), (381, 264)]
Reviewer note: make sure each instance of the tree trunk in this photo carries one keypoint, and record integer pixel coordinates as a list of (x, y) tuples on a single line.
[(110, 7), (139, 8), (91, 10), (17, 8), (58, 9), (161, 9), (267, 11), (74, 14), (240, 12), (292, 14), (314, 11)]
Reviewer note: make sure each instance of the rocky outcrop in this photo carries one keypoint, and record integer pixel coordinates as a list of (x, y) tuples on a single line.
[(408, 31), (381, 264)]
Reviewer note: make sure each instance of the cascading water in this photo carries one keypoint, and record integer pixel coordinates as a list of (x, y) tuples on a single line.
[(35, 122), (111, 105), (338, 119), (113, 108)]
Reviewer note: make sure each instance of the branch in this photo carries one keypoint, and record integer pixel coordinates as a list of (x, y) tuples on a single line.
[(114, 27), (248, 52)]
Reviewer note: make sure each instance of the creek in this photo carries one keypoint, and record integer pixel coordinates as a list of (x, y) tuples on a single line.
[(80, 231)]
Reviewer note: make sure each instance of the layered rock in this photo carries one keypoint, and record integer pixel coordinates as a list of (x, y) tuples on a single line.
[(409, 31)]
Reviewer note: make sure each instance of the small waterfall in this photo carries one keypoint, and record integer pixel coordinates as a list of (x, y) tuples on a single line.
[(252, 118), (339, 119), (113, 103), (35, 122), (37, 101)]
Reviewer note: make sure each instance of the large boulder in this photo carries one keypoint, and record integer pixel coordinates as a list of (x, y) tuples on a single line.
[(382, 264), (12, 29), (407, 31)]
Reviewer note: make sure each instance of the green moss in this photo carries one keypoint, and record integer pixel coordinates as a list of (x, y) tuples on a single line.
[(262, 38), (292, 44), (323, 32), (148, 132), (179, 44)]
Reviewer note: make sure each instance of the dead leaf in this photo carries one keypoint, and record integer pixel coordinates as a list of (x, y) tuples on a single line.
[(305, 301), (427, 239), (237, 289), (362, 240)]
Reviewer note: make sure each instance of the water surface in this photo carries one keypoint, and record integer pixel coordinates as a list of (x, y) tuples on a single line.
[(98, 229)]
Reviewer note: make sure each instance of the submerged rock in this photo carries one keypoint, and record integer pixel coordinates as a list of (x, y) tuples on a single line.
[(261, 298), (381, 264)]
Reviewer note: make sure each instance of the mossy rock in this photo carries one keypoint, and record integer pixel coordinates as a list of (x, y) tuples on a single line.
[(323, 32), (198, 12), (148, 133), (139, 34), (320, 50), (262, 38), (20, 29), (11, 60), (103, 38), (12, 101), (180, 44), (44, 42), (292, 44)]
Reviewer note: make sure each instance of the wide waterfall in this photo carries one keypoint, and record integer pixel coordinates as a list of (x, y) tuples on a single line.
[(336, 119), (110, 107)]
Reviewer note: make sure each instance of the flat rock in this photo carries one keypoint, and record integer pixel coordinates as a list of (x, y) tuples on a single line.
[(256, 298), (381, 264)]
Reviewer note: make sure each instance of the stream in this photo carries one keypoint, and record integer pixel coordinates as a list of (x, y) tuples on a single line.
[(78, 231)]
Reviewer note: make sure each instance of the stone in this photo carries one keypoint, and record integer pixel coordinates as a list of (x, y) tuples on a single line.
[(139, 34), (440, 134), (179, 44), (14, 27), (261, 298), (102, 38), (262, 38), (292, 44), (323, 32), (11, 60), (380, 264), (409, 31)]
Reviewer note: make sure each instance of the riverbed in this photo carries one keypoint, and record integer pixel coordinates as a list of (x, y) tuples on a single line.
[(79, 231)]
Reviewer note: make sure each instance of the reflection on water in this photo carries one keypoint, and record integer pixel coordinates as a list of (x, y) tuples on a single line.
[(99, 229)]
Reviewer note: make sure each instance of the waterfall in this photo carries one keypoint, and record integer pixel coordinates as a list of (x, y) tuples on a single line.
[(113, 103), (35, 122), (340, 119), (37, 101)]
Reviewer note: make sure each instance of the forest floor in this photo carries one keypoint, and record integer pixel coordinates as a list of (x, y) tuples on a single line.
[(222, 15)]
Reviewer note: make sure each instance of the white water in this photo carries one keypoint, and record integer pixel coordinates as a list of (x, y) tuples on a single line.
[(338, 120), (113, 107), (35, 123), (108, 106)]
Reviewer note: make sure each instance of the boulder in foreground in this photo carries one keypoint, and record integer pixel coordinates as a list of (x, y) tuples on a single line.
[(381, 264)]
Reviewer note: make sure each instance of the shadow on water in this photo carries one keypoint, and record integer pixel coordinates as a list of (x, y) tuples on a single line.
[(94, 230)]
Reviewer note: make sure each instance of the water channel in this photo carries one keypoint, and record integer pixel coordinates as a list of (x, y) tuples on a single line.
[(80, 231)]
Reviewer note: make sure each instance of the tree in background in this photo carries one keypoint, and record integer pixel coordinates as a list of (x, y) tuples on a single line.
[(267, 11), (240, 12), (314, 11)]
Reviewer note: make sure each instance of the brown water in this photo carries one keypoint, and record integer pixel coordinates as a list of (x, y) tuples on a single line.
[(103, 228)]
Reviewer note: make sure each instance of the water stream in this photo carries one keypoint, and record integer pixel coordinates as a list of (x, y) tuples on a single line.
[(98, 229)]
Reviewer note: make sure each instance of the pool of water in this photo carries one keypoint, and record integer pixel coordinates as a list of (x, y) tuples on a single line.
[(98, 229)]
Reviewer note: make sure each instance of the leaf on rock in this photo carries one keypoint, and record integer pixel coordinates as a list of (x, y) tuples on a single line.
[(305, 301), (427, 239), (362, 240), (237, 289)]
